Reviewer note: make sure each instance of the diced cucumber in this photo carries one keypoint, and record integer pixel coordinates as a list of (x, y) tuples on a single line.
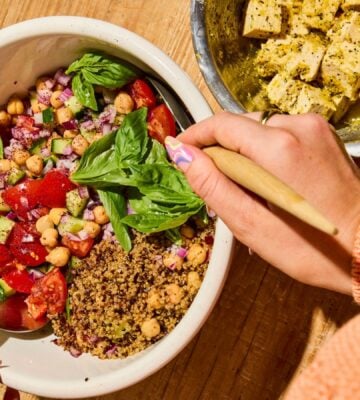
[(3, 206), (75, 262), (6, 226), (58, 146), (1, 149), (14, 176), (74, 105), (37, 146), (71, 225), (88, 135), (5, 290), (75, 203)]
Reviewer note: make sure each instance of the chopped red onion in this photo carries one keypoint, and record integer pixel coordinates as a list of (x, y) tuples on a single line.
[(43, 96), (64, 219), (75, 352), (181, 252), (72, 236), (72, 157), (209, 239), (65, 94), (35, 273), (172, 266), (111, 350), (24, 121), (83, 235), (50, 83), (106, 129), (88, 125), (67, 150), (83, 192), (108, 227), (108, 115), (28, 238), (34, 214), (24, 201), (11, 215), (70, 125), (38, 118), (93, 339), (62, 78), (45, 152), (49, 166), (64, 164), (44, 133), (88, 215)]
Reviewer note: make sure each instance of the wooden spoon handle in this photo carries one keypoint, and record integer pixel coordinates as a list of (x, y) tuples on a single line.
[(256, 179), (12, 394)]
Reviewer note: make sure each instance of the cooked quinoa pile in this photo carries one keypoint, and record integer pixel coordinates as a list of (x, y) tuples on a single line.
[(120, 303)]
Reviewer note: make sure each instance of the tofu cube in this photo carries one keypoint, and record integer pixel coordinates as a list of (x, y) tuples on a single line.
[(262, 19), (350, 5), (293, 18), (306, 62), (342, 104), (347, 28), (340, 69), (320, 14), (296, 97)]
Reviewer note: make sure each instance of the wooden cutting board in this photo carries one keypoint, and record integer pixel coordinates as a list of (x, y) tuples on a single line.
[(266, 327)]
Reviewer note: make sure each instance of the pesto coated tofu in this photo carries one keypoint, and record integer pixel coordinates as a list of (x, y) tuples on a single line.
[(297, 56), (320, 14), (340, 70), (293, 17), (342, 104), (350, 5), (296, 97), (262, 19), (346, 28)]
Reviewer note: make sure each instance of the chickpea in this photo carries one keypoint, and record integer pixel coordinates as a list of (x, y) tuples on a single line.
[(150, 328), (197, 254), (20, 156), (59, 256), (44, 223), (54, 99), (55, 215), (173, 261), (63, 114), (5, 166), (100, 215), (187, 231), (174, 292), (154, 300), (35, 164), (69, 134), (58, 87), (123, 103), (15, 106), (92, 228), (40, 83), (193, 280), (79, 144), (49, 237), (38, 107), (5, 118)]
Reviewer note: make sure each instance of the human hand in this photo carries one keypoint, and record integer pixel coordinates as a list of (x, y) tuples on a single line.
[(302, 151)]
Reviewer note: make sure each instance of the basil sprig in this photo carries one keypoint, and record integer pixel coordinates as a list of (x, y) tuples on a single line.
[(97, 69), (128, 161)]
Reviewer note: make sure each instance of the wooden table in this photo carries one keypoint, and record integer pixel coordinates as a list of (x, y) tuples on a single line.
[(265, 327)]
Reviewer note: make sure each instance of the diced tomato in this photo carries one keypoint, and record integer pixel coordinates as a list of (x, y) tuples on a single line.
[(53, 189), (24, 121), (161, 123), (78, 248), (21, 281), (14, 314), (48, 295), (22, 197), (142, 94), (26, 252), (5, 255)]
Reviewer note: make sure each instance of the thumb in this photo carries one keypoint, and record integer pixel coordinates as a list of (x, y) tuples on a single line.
[(218, 191)]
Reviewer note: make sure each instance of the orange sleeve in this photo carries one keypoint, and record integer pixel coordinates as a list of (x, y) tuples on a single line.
[(334, 373)]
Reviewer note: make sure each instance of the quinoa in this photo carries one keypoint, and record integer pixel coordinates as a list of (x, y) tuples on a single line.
[(112, 293)]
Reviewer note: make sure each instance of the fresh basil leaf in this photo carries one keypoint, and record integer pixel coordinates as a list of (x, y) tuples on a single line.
[(157, 154), (84, 91), (132, 141), (104, 70), (1, 149), (151, 223), (115, 206)]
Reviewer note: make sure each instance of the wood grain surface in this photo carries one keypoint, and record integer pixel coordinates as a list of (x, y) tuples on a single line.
[(265, 327)]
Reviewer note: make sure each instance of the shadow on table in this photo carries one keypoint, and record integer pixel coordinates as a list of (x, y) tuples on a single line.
[(263, 328)]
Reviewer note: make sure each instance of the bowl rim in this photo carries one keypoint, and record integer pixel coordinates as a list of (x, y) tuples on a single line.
[(168, 347)]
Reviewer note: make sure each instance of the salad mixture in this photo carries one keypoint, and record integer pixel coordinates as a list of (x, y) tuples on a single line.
[(99, 232)]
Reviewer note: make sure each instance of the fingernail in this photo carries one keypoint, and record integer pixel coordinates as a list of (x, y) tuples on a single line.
[(178, 152)]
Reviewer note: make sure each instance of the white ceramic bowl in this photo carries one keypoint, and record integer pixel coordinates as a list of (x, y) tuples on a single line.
[(34, 364)]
